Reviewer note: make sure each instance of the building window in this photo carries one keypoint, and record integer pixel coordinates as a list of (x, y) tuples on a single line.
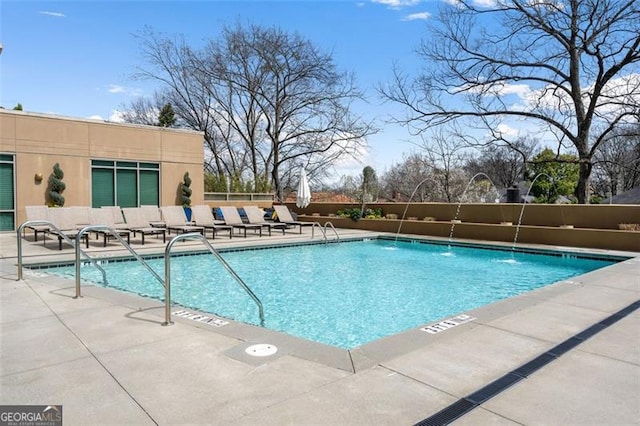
[(7, 193), (124, 183)]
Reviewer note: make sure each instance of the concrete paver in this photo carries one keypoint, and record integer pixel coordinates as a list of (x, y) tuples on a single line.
[(108, 361)]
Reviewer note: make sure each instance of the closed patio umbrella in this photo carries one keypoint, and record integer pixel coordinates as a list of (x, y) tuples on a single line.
[(304, 193)]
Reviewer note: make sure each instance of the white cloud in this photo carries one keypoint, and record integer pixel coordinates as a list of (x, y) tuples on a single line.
[(417, 16), (116, 116), (478, 3), (55, 14), (397, 4), (615, 97), (507, 131), (485, 3), (523, 91), (115, 88), (95, 117)]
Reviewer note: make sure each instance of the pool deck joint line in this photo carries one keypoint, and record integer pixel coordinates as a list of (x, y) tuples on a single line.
[(469, 402)]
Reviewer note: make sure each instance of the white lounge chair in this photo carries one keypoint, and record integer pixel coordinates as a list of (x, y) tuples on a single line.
[(37, 213), (176, 220), (66, 222), (137, 222), (255, 216), (105, 217), (284, 215), (202, 216), (153, 215), (232, 218)]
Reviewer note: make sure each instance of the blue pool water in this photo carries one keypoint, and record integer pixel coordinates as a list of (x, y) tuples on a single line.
[(349, 293)]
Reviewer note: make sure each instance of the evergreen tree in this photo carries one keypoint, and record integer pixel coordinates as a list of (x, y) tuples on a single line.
[(167, 117), (56, 186)]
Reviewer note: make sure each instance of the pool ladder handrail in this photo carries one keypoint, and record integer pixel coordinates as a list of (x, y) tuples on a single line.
[(323, 230), (61, 235), (114, 233), (167, 274), (335, 231)]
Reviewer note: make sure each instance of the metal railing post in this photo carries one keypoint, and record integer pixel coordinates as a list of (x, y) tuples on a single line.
[(167, 283), (115, 234), (77, 265), (167, 275)]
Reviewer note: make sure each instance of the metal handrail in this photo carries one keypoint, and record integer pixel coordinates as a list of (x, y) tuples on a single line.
[(332, 227), (61, 235), (167, 275), (113, 232), (313, 226)]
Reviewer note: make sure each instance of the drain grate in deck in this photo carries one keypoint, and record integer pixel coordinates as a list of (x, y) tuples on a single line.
[(449, 414)]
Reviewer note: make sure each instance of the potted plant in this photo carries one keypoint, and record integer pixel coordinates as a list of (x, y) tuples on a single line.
[(186, 195), (56, 186)]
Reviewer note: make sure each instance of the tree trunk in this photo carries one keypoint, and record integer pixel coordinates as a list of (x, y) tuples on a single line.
[(583, 190)]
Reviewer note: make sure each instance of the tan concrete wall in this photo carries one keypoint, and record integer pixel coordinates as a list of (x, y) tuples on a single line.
[(39, 141), (594, 226), (597, 216)]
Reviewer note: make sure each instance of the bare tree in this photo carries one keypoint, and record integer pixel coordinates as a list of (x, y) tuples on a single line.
[(171, 62), (143, 110), (574, 63), (617, 165), (504, 165), (412, 176), (446, 152), (265, 99)]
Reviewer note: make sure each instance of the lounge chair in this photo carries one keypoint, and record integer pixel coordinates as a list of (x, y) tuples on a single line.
[(202, 216), (232, 218), (153, 216), (284, 215), (63, 218), (256, 217), (137, 222), (105, 217), (117, 220), (37, 213), (176, 220)]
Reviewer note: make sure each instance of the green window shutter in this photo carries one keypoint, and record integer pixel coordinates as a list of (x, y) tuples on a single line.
[(102, 190), (127, 188), (7, 221), (149, 188), (6, 186)]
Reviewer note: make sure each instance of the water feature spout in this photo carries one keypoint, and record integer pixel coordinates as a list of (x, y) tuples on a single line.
[(455, 218), (515, 238), (406, 207)]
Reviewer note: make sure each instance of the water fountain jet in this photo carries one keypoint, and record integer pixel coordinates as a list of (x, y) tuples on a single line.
[(515, 239), (455, 218)]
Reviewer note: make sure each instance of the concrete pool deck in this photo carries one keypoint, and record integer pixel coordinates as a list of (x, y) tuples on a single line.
[(107, 360)]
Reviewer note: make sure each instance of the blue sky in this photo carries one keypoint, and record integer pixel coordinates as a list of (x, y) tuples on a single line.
[(76, 58)]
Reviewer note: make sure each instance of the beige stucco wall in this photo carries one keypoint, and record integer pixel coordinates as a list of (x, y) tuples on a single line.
[(38, 141)]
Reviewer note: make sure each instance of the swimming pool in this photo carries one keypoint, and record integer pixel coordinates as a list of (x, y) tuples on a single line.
[(350, 293)]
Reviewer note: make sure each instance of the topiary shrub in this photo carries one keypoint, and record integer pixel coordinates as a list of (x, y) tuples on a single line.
[(186, 190), (56, 186)]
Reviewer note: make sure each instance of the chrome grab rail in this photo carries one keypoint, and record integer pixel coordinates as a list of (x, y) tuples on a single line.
[(167, 275), (335, 231), (61, 235), (113, 232), (313, 227)]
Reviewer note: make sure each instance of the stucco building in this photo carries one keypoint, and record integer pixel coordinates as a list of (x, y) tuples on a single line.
[(104, 163)]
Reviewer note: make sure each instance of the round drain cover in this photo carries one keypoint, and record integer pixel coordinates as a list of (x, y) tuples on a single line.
[(262, 349)]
